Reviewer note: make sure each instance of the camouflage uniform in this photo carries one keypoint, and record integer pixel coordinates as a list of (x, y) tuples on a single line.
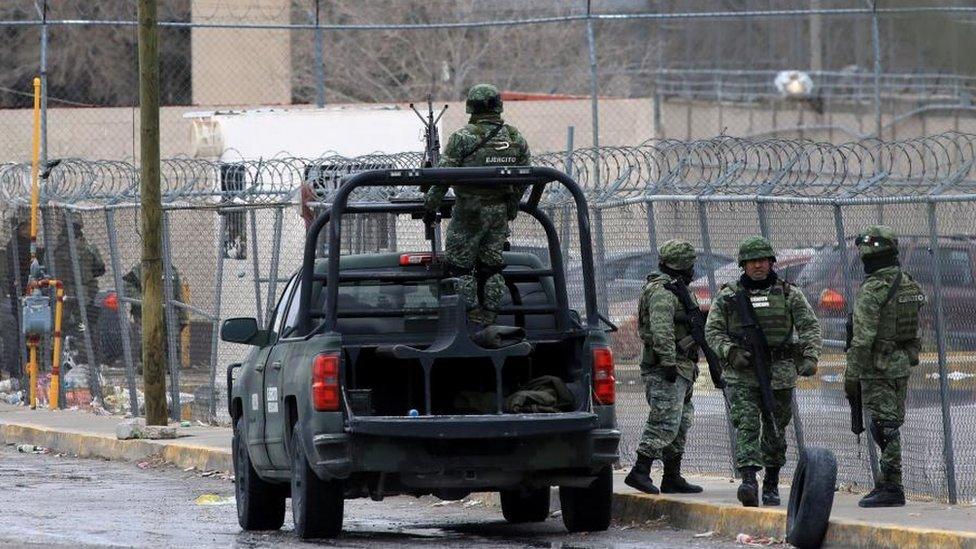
[(794, 339), (668, 369), (479, 221), (91, 265), (884, 346)]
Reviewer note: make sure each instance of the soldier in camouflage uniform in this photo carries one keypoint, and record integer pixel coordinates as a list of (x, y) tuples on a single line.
[(480, 218), (883, 348), (132, 283), (669, 366), (794, 340)]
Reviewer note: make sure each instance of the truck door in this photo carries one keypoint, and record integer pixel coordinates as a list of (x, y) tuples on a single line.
[(258, 402), (276, 426)]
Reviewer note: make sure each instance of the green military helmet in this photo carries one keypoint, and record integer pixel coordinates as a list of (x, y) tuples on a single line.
[(677, 254), (756, 247), (483, 98), (876, 239)]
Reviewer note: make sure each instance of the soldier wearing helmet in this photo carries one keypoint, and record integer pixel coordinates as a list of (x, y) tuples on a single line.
[(481, 215), (884, 345), (669, 366), (794, 341)]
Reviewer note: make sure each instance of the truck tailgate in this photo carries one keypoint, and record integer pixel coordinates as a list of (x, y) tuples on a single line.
[(473, 426)]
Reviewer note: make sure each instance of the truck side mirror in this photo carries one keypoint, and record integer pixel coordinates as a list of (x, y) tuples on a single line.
[(243, 330)]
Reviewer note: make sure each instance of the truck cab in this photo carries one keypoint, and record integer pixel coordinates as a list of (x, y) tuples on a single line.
[(366, 383)]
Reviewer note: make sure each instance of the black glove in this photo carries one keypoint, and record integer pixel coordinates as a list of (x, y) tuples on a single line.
[(430, 217), (739, 358), (671, 375)]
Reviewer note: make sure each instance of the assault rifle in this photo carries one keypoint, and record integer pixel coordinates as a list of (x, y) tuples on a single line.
[(432, 139), (756, 343), (857, 406), (697, 320)]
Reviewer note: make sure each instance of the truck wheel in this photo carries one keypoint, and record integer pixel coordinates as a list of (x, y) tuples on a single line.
[(811, 498), (525, 505), (316, 505), (588, 509), (260, 504)]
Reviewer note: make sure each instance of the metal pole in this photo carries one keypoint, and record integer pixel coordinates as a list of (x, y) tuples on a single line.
[(43, 70), (876, 46), (275, 261), (651, 232), (218, 286), (319, 60), (17, 312), (130, 372), (594, 88), (258, 310), (797, 420), (848, 298), (94, 369), (707, 248), (564, 221), (172, 327), (940, 339)]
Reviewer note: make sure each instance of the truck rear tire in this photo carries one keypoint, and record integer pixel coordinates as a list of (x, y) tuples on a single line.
[(316, 505), (525, 505), (260, 504), (588, 509)]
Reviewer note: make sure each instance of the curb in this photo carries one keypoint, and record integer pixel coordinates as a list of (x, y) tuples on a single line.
[(732, 519), (96, 446)]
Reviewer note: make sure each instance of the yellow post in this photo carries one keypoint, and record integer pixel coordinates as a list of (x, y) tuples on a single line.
[(32, 372), (55, 387), (35, 169)]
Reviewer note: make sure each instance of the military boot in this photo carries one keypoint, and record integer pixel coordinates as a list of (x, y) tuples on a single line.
[(672, 482), (885, 494), (748, 492), (639, 477), (770, 487)]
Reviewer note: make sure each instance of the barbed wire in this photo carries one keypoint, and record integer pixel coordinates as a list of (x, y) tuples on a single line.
[(722, 165)]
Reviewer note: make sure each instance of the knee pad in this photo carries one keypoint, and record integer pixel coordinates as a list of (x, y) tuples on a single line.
[(884, 432), (484, 272)]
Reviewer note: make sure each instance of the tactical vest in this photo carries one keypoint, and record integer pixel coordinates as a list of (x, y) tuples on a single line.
[(682, 326), (772, 313), (501, 150), (899, 314)]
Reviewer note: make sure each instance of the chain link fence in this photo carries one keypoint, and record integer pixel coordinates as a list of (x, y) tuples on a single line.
[(618, 72), (234, 234)]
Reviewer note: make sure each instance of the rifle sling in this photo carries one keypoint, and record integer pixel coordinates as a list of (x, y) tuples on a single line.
[(491, 135)]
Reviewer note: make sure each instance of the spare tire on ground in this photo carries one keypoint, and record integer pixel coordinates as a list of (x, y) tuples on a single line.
[(811, 498)]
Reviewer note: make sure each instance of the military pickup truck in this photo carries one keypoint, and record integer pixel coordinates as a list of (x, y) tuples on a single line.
[(366, 383)]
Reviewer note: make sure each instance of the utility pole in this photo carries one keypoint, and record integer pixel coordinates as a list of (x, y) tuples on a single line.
[(153, 362)]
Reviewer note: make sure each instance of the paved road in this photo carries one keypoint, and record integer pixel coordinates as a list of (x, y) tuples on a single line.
[(57, 501)]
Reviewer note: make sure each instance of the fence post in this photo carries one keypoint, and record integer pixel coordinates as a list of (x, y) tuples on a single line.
[(123, 316), (651, 231), (848, 298), (797, 420), (319, 60), (565, 229), (940, 340), (218, 286), (94, 371), (710, 271), (172, 327), (594, 83), (275, 260), (15, 303), (256, 265)]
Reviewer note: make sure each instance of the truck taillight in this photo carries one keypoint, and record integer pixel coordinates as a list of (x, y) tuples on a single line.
[(604, 384), (407, 260), (325, 382)]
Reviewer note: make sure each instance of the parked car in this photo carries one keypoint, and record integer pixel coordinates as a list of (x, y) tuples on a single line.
[(627, 272), (823, 283)]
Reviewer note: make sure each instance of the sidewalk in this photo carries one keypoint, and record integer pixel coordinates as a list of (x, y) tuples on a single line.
[(919, 524)]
